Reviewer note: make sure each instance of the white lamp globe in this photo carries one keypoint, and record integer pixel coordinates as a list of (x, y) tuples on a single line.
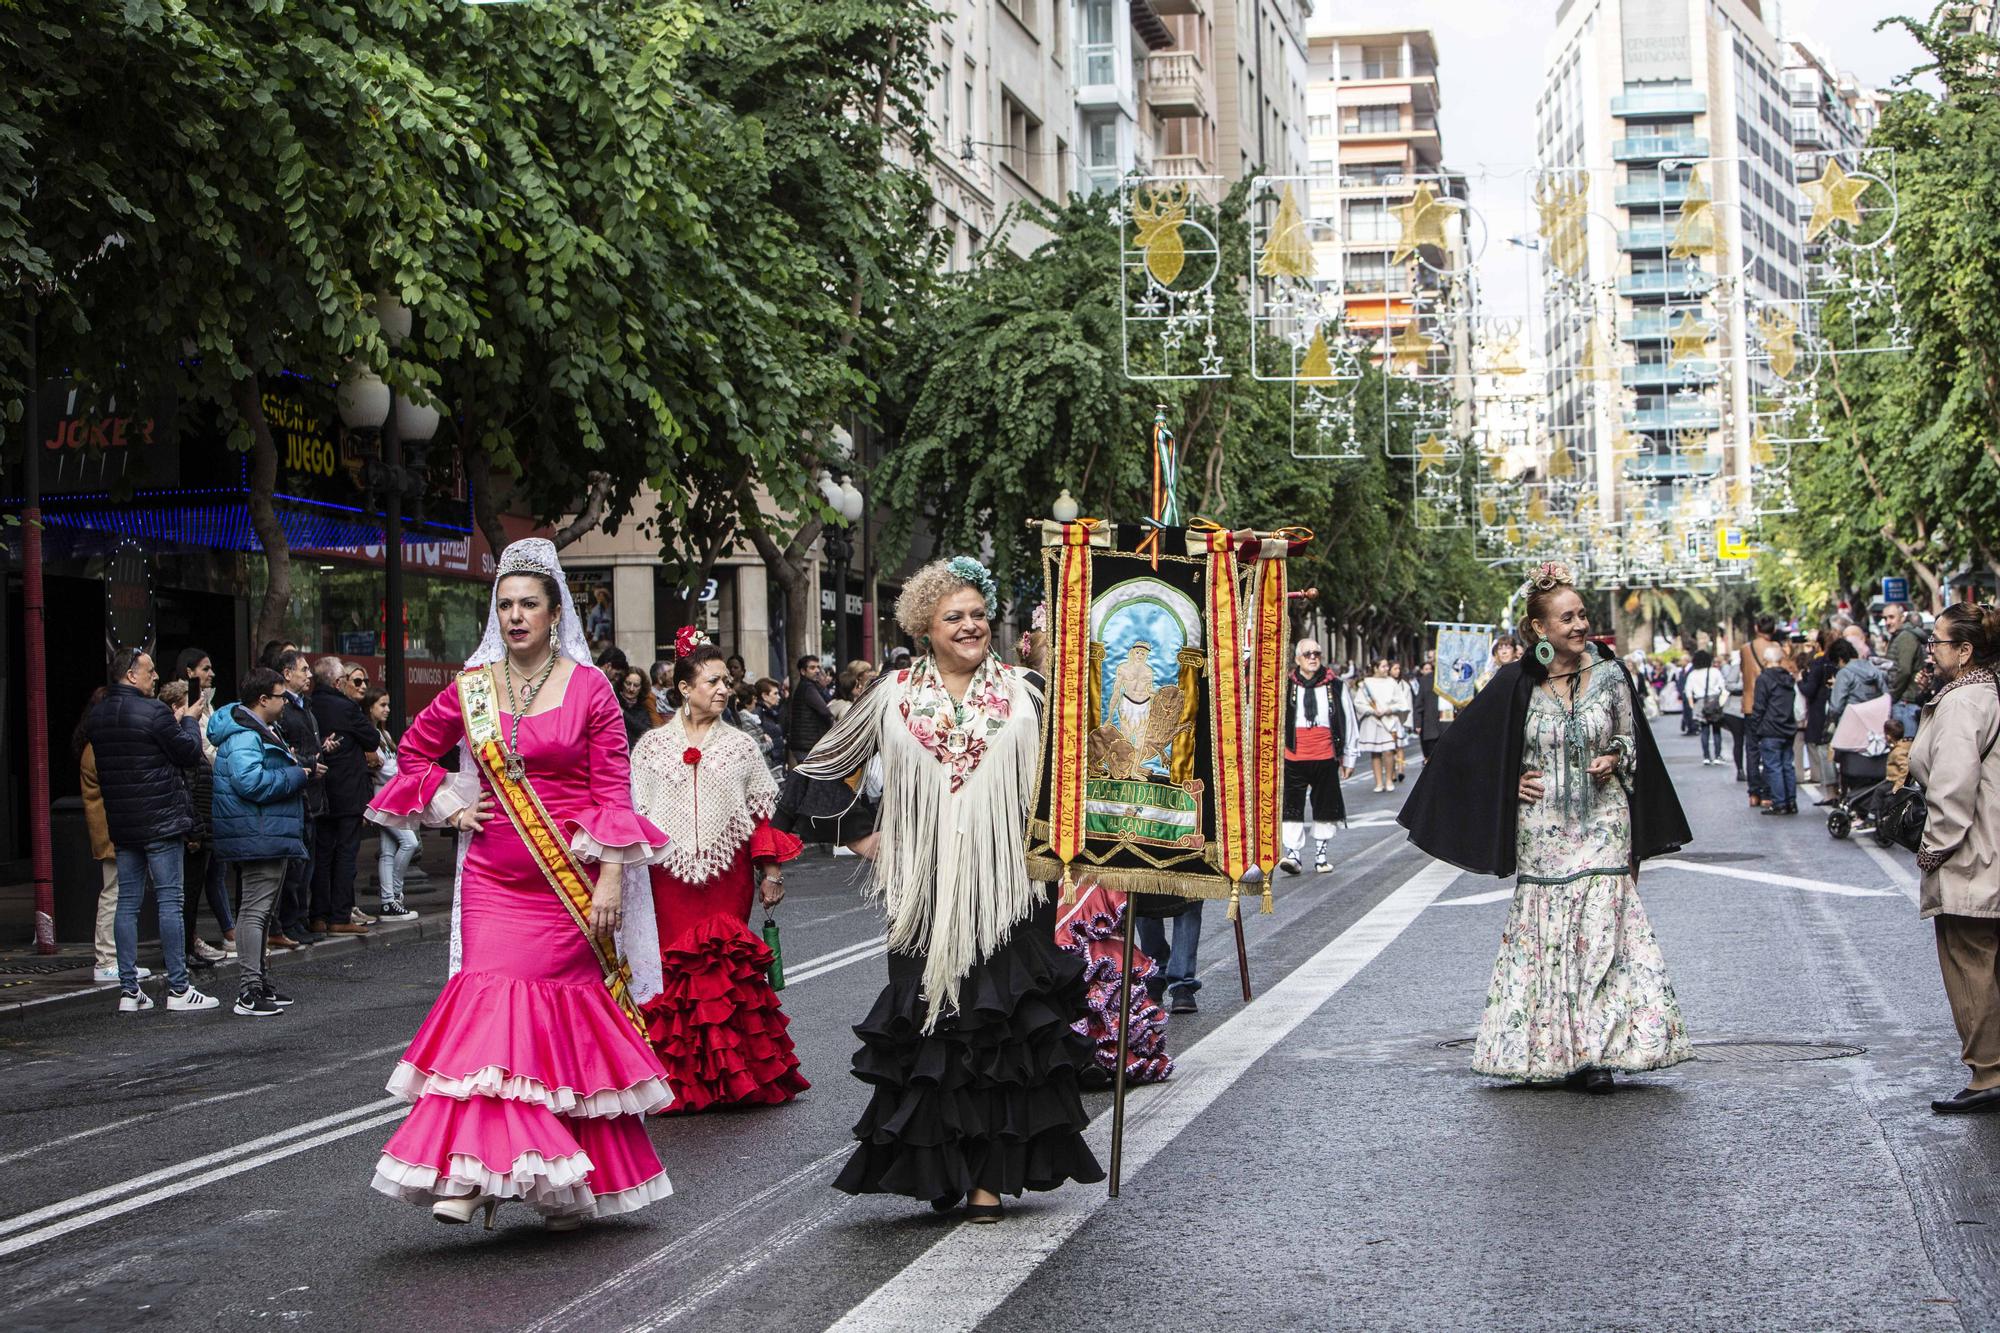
[(362, 398), (415, 422)]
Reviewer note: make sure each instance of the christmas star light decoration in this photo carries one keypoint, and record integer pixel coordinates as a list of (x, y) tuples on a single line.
[(1761, 452), (1423, 223), (1489, 510), (1690, 339), (1288, 249), (1410, 349), (1834, 198), (1778, 332), (1694, 234), (1430, 454), (1317, 365)]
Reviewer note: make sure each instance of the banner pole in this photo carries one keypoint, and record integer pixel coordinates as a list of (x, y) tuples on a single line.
[(1124, 1047), (1242, 959)]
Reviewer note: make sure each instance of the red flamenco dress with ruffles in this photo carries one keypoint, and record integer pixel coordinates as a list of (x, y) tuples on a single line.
[(716, 1024), (527, 1081)]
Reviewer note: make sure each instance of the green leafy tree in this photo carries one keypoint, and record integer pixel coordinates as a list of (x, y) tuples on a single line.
[(1908, 478)]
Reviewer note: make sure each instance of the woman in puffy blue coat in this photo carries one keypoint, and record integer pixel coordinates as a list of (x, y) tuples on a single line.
[(257, 820)]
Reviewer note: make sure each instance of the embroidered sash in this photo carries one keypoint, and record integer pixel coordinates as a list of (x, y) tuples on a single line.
[(538, 832)]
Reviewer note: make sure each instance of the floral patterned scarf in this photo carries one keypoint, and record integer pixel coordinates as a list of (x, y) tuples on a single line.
[(956, 733)]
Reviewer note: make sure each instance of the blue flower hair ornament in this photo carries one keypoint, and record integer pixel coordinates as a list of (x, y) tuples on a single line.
[(965, 567)]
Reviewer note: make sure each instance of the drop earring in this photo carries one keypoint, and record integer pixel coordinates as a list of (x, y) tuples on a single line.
[(1545, 652)]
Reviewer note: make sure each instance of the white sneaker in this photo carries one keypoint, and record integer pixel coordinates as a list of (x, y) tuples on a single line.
[(111, 973), (208, 953), (360, 918), (191, 999), (132, 1002)]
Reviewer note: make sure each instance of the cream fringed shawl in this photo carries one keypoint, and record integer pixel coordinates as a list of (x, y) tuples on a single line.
[(950, 867)]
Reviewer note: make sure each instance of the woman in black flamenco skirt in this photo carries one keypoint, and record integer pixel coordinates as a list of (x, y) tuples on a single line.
[(970, 1049)]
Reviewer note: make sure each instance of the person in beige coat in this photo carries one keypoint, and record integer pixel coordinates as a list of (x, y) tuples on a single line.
[(1955, 759)]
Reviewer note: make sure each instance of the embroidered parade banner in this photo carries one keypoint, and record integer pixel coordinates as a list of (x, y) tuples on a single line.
[(1462, 654), (1162, 762)]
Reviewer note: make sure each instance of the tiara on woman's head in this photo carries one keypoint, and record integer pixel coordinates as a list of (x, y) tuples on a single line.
[(530, 555)]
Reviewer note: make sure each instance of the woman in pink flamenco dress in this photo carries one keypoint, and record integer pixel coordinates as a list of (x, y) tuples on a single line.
[(528, 1079), (715, 1024)]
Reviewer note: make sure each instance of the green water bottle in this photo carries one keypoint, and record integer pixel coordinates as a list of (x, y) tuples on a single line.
[(777, 948)]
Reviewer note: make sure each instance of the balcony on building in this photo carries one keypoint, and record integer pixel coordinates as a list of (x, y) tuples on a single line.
[(1667, 467), (1174, 84), (1646, 188), (1660, 375), (1673, 282), (1687, 416), (1651, 147), (1170, 7), (1660, 102), (1650, 237), (1645, 326)]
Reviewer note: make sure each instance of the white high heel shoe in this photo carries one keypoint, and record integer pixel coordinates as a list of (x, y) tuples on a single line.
[(458, 1211)]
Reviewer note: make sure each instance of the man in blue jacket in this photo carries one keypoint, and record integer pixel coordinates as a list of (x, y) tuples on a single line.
[(1772, 719), (257, 820), (141, 749)]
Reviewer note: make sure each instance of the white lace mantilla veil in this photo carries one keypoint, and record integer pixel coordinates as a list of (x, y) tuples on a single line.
[(639, 935)]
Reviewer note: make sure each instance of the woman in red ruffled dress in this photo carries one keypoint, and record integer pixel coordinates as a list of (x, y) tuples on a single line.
[(715, 1024), (530, 1077)]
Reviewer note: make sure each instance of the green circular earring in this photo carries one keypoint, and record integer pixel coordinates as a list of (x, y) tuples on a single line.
[(1545, 652)]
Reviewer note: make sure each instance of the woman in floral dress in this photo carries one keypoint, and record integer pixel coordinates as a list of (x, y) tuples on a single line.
[(1580, 988)]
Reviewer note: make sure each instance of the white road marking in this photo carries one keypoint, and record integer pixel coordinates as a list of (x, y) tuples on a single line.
[(807, 973), (225, 1157), (960, 1281), (179, 1188), (318, 1071), (1766, 877), (1476, 899), (1903, 876), (588, 1306)]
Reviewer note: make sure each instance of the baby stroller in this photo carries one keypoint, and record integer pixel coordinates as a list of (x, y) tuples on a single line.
[(1861, 763)]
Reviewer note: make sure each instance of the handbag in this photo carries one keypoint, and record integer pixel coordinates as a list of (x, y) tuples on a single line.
[(1904, 817), (772, 942)]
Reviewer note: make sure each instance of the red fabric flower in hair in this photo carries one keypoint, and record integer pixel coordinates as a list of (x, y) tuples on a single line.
[(691, 756), (688, 639)]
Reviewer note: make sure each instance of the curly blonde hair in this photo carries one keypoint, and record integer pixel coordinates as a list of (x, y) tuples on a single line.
[(930, 585)]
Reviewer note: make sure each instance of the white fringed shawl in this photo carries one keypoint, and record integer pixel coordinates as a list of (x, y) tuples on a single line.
[(950, 868)]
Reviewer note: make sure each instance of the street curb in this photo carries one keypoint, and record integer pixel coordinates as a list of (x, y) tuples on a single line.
[(433, 925)]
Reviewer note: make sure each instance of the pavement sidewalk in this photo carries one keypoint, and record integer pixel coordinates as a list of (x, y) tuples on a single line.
[(31, 982)]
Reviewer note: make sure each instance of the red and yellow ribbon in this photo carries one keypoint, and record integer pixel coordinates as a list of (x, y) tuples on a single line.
[(1268, 650), (1233, 774), (531, 820), (1068, 701)]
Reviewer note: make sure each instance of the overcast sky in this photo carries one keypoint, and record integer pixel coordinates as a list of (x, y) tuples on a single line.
[(1489, 74)]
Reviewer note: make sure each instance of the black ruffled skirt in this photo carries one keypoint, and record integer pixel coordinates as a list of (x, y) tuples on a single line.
[(989, 1100)]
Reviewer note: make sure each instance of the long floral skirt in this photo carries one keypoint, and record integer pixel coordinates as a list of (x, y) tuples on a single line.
[(1579, 984)]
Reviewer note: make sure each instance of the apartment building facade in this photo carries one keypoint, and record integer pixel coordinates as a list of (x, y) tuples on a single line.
[(1669, 126)]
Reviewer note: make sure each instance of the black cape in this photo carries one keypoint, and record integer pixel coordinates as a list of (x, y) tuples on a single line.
[(1464, 807)]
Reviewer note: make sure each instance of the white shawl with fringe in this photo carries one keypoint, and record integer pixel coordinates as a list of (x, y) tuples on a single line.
[(950, 867)]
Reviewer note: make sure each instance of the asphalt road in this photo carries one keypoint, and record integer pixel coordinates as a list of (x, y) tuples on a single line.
[(1323, 1159)]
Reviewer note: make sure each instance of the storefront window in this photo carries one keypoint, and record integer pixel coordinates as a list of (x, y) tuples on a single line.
[(339, 609), (590, 589)]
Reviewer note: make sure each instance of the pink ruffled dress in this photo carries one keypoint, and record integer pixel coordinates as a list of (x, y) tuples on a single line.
[(527, 1081)]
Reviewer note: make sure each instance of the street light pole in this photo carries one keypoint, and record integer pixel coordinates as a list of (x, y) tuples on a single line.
[(34, 626), (392, 568)]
